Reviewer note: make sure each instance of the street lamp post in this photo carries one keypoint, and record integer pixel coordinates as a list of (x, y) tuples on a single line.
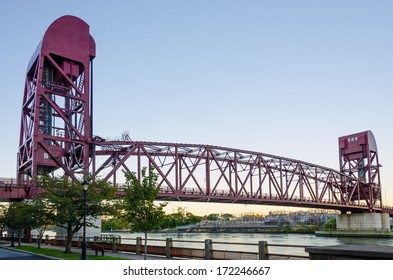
[(85, 185)]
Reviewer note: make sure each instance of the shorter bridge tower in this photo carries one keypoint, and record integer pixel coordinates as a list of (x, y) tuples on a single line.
[(359, 159)]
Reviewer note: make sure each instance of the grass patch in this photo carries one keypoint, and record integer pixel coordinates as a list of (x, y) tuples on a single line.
[(60, 254)]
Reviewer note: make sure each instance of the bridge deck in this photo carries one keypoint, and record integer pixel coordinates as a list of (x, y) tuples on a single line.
[(10, 190)]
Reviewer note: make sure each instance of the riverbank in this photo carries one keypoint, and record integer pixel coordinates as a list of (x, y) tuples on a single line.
[(354, 233), (228, 230), (245, 230)]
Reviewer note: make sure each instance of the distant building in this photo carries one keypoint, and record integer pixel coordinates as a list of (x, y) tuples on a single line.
[(275, 219)]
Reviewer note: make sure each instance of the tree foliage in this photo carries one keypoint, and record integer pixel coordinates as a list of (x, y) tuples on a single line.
[(213, 217), (113, 223), (42, 217), (138, 203), (139, 209), (227, 216), (17, 218), (3, 226), (179, 218), (330, 224), (64, 197)]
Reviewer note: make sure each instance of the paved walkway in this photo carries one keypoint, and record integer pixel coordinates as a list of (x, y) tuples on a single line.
[(9, 253)]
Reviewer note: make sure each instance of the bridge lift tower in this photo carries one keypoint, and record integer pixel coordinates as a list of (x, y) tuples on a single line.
[(359, 159), (56, 111)]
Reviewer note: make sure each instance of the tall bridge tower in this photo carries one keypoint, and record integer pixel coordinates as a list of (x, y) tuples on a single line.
[(56, 113)]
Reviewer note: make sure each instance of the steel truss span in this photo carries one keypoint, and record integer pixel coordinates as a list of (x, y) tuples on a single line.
[(217, 174)]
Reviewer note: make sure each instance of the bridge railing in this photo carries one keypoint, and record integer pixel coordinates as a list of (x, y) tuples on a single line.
[(189, 249), (9, 182), (225, 193)]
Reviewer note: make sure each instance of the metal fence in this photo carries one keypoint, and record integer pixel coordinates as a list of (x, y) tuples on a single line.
[(187, 249)]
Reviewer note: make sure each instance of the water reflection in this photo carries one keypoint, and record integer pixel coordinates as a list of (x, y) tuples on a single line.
[(254, 238)]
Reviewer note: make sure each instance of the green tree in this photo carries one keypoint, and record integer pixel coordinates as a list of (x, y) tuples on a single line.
[(3, 212), (27, 215), (168, 221), (192, 219), (17, 219), (227, 216), (330, 224), (213, 217), (64, 198), (42, 217), (138, 203), (179, 218), (113, 223)]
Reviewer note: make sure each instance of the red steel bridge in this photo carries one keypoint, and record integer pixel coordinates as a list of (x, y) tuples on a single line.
[(56, 136)]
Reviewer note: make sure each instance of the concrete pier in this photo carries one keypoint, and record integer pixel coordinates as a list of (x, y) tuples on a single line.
[(361, 225), (363, 222)]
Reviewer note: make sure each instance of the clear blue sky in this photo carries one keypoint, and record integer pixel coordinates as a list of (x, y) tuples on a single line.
[(280, 77)]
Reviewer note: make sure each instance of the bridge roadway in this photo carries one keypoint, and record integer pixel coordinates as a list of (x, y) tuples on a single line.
[(265, 199), (10, 190)]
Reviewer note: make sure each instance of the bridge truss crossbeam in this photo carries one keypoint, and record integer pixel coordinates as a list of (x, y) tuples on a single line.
[(217, 174)]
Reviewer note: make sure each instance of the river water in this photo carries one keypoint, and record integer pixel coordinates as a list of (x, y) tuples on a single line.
[(254, 238)]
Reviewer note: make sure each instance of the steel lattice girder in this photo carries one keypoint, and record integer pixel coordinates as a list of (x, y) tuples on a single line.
[(217, 174)]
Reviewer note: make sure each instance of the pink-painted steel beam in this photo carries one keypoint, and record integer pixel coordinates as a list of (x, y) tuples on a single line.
[(189, 172)]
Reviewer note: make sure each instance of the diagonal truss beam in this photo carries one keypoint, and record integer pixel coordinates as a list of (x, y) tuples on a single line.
[(222, 174)]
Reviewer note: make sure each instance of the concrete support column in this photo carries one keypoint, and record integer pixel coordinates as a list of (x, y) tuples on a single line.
[(263, 251), (208, 249)]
